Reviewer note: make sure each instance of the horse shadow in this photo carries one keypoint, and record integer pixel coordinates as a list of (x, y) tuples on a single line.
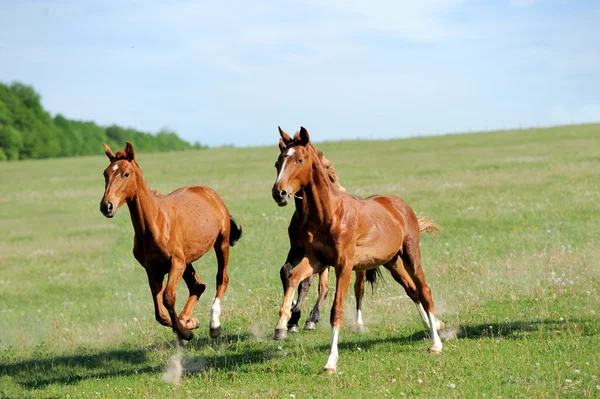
[(71, 369), (515, 330), (37, 373)]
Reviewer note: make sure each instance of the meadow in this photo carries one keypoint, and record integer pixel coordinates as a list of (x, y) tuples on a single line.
[(515, 274)]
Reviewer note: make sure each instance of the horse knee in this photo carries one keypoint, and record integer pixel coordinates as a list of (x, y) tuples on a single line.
[(412, 294), (169, 299), (336, 318), (161, 320), (285, 270), (201, 288), (284, 273)]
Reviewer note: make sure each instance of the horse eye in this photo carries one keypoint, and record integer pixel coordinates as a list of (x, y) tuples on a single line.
[(300, 160), (126, 174)]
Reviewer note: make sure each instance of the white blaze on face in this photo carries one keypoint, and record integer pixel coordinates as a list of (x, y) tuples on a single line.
[(333, 351), (215, 312), (290, 152), (115, 167)]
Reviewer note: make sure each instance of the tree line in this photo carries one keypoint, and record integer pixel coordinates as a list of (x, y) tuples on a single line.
[(27, 131)]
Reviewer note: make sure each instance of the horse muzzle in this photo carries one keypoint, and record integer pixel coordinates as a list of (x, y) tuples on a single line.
[(108, 209), (281, 197)]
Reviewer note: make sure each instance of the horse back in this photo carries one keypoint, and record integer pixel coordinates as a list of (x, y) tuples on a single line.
[(400, 211), (198, 217)]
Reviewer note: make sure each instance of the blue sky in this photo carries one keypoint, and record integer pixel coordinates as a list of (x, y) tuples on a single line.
[(229, 72)]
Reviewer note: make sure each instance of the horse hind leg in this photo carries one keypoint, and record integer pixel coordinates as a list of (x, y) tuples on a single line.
[(398, 271), (412, 292), (196, 287), (222, 252), (359, 293), (315, 313), (411, 258)]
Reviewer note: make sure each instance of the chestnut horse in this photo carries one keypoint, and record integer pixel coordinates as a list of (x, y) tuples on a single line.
[(295, 255), (351, 234), (171, 232)]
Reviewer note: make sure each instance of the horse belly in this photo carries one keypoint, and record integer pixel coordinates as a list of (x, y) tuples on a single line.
[(378, 246), (199, 236), (372, 256)]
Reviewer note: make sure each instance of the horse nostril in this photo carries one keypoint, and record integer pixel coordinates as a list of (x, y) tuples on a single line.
[(283, 194), (110, 207)]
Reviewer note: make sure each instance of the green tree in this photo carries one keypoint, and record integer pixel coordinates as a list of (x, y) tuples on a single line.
[(11, 142), (28, 131)]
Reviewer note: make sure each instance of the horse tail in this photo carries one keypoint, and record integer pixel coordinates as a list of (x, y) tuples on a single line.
[(427, 226), (373, 275), (235, 232)]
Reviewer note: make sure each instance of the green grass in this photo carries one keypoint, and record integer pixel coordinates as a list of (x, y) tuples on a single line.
[(515, 275)]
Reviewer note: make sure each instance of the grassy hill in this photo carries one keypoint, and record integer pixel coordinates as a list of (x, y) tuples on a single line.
[(515, 275)]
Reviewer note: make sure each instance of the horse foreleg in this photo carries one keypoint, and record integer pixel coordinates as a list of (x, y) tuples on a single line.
[(315, 314), (196, 287), (343, 274), (170, 296), (305, 269), (157, 288), (222, 251), (303, 289), (359, 293), (294, 257)]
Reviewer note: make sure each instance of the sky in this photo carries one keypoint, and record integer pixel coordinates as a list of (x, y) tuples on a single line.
[(229, 72)]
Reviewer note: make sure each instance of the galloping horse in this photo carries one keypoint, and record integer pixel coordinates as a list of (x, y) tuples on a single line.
[(171, 232), (350, 234), (296, 253)]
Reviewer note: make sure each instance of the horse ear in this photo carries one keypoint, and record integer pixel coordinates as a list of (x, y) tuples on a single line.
[(303, 137), (129, 151), (284, 136), (109, 153), (282, 145)]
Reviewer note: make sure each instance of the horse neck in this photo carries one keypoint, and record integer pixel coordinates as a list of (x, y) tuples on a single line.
[(142, 207), (319, 195)]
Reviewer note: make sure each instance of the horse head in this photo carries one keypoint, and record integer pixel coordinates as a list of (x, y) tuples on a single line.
[(294, 165), (120, 183)]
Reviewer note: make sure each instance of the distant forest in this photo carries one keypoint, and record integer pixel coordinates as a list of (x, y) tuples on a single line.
[(27, 131)]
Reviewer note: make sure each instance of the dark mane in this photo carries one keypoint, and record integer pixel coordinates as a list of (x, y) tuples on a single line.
[(327, 164)]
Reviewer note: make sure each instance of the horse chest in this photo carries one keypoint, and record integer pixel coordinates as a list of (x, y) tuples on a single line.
[(149, 251), (323, 243)]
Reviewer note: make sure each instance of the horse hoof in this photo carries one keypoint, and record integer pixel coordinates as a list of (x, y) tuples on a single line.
[(310, 325), (435, 351), (293, 329), (279, 334), (440, 325), (185, 340), (329, 371), (215, 332)]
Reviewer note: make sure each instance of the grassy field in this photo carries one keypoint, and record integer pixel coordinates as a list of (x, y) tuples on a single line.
[(515, 275)]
